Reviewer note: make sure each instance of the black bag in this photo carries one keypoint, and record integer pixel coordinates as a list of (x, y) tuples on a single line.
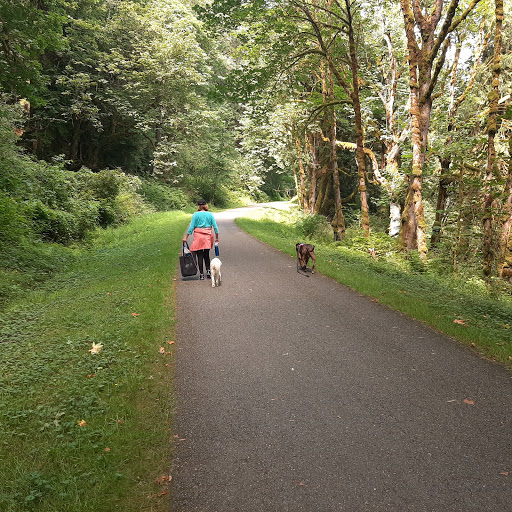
[(188, 264)]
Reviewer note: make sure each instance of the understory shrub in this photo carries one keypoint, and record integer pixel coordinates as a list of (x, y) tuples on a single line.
[(162, 197), (315, 226), (13, 224)]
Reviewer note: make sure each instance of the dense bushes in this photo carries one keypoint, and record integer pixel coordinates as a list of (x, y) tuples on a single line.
[(162, 197), (45, 208)]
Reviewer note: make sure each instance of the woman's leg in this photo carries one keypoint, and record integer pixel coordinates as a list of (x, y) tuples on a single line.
[(207, 259), (200, 258)]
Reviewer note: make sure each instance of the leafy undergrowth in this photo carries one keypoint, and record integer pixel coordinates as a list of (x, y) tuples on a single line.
[(463, 310), (85, 378)]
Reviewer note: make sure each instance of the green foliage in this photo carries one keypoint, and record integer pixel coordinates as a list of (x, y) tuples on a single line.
[(13, 223), (315, 227), (28, 31)]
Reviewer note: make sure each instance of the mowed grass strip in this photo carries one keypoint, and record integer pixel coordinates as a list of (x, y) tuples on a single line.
[(467, 313), (81, 431)]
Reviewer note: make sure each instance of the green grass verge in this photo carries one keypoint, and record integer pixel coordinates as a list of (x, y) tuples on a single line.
[(85, 432), (464, 311)]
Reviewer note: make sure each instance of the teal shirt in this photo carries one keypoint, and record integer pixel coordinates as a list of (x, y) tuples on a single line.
[(202, 219)]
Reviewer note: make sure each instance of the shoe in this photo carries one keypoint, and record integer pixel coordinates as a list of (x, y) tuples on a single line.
[(201, 277), (208, 274)]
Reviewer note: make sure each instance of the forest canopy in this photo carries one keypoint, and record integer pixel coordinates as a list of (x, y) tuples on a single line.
[(385, 116)]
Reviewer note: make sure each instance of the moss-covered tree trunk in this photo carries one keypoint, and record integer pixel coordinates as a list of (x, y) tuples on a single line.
[(356, 103), (492, 126), (442, 197), (338, 221), (505, 261)]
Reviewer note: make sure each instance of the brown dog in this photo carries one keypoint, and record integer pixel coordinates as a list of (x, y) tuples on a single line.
[(304, 253)]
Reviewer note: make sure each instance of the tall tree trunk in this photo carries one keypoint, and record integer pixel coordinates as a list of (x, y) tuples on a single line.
[(413, 220), (313, 171), (338, 222), (505, 261), (356, 103), (296, 181), (492, 127), (303, 200), (442, 196), (458, 236), (323, 191)]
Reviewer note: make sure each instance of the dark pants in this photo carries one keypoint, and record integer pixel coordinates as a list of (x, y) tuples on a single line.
[(203, 256)]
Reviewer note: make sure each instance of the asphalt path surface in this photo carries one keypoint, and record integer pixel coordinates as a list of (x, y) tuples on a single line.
[(298, 394)]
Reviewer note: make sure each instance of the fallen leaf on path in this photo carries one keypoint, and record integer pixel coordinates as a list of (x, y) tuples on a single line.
[(504, 473), (469, 402), (171, 342), (164, 479)]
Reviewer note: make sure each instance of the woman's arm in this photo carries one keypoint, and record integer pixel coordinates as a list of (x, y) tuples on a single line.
[(190, 228), (215, 228)]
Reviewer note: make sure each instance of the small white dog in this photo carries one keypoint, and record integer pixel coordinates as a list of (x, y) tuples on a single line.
[(215, 271)]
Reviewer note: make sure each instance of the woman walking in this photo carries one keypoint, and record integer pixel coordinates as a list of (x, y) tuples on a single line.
[(203, 226)]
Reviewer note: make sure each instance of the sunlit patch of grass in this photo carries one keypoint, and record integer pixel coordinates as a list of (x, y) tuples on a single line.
[(480, 320), (91, 432)]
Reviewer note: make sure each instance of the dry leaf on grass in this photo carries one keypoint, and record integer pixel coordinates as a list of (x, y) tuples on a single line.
[(164, 480), (96, 348)]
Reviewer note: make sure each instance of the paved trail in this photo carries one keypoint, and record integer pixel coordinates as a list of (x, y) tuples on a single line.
[(297, 394)]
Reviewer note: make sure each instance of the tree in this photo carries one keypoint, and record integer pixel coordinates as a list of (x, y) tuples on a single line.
[(427, 28), (492, 171), (28, 31)]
